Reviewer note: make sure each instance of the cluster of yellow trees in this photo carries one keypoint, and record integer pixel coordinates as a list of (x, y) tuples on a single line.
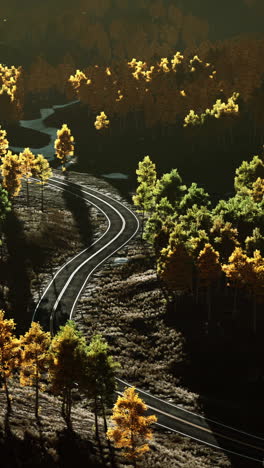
[(26, 165), (163, 92), (194, 244), (65, 362), (14, 167), (11, 93)]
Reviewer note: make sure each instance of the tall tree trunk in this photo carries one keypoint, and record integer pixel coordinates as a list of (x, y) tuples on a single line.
[(8, 400), (63, 412), (37, 398), (104, 417), (69, 404), (42, 197), (27, 194), (142, 226), (96, 417)]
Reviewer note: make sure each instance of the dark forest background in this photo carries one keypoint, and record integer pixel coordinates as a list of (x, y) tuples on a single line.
[(51, 40)]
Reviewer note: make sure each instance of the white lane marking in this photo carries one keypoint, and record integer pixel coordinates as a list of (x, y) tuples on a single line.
[(120, 247), (77, 255), (85, 261), (77, 269), (190, 412), (102, 248), (110, 242), (198, 427), (204, 429), (107, 196), (208, 443)]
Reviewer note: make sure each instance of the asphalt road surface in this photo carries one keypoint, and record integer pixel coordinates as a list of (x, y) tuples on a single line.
[(59, 299)]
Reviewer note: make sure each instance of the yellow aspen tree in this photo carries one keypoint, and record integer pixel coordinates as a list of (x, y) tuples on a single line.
[(9, 353), (12, 172), (257, 192), (101, 121), (174, 267), (209, 270), (3, 143), (236, 271), (64, 145), (35, 359), (68, 360), (97, 380), (43, 172), (225, 237), (131, 430), (146, 177), (28, 161)]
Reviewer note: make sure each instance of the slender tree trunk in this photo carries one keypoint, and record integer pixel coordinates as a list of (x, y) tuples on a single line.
[(27, 194), (142, 226), (8, 400), (96, 417), (69, 404), (133, 447), (37, 398), (104, 417), (63, 404), (42, 197)]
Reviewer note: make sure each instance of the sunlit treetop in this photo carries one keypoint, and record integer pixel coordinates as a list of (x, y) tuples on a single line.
[(101, 121)]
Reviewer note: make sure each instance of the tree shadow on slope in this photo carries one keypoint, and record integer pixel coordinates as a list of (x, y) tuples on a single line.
[(17, 275), (74, 202), (220, 358), (67, 450), (73, 450)]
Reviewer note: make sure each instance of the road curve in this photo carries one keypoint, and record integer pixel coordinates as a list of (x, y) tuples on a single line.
[(59, 299)]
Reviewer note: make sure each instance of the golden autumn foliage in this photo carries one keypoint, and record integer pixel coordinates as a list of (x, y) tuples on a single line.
[(42, 171), (68, 354), (35, 358), (208, 265), (27, 159), (11, 93), (64, 145), (12, 172), (225, 237), (9, 352), (3, 143), (255, 277), (218, 110), (237, 268), (101, 121), (131, 430), (257, 192), (175, 268)]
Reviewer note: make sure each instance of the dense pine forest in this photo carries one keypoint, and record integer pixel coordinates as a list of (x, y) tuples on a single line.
[(168, 96)]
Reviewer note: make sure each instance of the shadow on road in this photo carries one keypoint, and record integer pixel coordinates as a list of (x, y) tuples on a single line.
[(80, 211)]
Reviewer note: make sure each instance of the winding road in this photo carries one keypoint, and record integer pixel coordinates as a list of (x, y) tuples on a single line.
[(59, 299)]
